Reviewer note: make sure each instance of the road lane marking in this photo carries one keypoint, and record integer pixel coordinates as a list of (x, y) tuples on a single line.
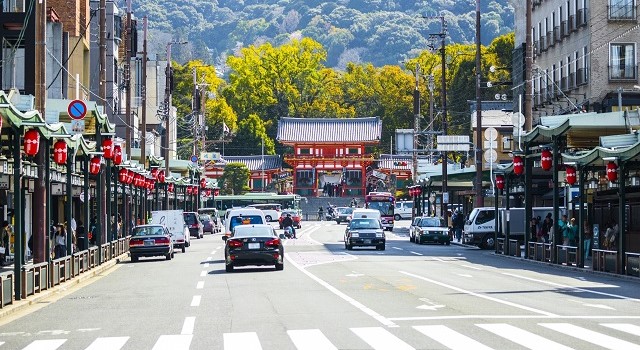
[(624, 327), (514, 317), (571, 287), (461, 290), (450, 338), (590, 336), (108, 343), (381, 339), (206, 265), (397, 248), (522, 337), (241, 341), (385, 321), (416, 253), (196, 300), (209, 258), (200, 285), (173, 342), (49, 344), (187, 326), (464, 275), (471, 267), (213, 252), (203, 273), (310, 339)]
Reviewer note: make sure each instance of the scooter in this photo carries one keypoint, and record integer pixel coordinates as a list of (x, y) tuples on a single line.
[(289, 232)]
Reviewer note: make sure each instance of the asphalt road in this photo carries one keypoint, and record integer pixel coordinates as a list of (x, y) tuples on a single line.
[(407, 297)]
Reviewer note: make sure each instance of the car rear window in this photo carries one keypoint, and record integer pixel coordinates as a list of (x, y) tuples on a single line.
[(190, 218), (148, 231), (244, 220), (248, 231), (205, 218), (432, 222)]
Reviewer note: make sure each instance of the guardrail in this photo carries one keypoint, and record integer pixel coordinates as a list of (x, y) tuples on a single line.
[(514, 248), (567, 255), (605, 260), (42, 276), (632, 264), (539, 251)]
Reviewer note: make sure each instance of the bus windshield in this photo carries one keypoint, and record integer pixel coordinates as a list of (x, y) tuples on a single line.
[(383, 201)]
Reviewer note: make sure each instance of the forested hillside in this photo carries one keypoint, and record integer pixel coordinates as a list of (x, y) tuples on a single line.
[(362, 31)]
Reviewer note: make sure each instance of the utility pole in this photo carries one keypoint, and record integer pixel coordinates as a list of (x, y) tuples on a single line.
[(167, 105), (528, 113), (127, 82), (432, 86), (143, 97), (478, 182), (103, 219), (416, 125), (196, 113)]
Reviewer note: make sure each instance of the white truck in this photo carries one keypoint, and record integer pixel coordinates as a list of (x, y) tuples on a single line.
[(479, 228), (174, 221)]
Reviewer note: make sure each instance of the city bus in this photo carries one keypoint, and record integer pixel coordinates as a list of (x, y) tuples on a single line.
[(385, 203), (286, 201)]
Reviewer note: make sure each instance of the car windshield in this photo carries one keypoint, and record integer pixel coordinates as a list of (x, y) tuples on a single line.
[(148, 231), (432, 222), (252, 231), (365, 223), (292, 213), (345, 210), (245, 220)]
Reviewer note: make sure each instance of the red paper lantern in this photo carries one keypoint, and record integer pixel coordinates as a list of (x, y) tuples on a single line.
[(154, 173), (107, 148), (137, 180), (170, 188), (130, 175), (546, 160), (123, 176), (208, 192), (203, 183), (216, 192), (117, 155), (612, 171), (60, 152), (570, 174), (31, 142), (518, 166), (94, 165), (161, 176), (188, 189), (500, 182)]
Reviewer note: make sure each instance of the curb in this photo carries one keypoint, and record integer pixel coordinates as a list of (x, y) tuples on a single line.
[(31, 300)]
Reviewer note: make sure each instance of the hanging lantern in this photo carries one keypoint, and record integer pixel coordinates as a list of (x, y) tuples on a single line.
[(188, 189), (94, 165), (208, 192), (612, 171), (203, 183), (123, 176), (546, 160), (130, 177), (518, 165), (117, 155), (161, 176), (500, 182), (31, 142), (570, 174), (60, 152), (137, 180), (107, 148), (154, 173), (170, 188), (216, 192)]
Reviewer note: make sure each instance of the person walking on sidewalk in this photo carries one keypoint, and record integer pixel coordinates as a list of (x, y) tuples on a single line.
[(60, 249), (588, 235), (458, 224), (4, 242)]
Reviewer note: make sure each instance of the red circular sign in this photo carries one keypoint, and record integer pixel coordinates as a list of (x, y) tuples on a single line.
[(77, 109)]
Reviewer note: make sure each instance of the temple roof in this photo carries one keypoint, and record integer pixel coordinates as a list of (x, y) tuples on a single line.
[(331, 130)]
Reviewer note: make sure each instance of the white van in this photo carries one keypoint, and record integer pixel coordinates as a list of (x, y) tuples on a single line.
[(366, 213), (242, 216), (403, 210), (174, 221), (272, 211)]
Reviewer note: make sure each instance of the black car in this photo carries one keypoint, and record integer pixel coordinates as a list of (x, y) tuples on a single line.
[(150, 240), (192, 220), (364, 232), (257, 245)]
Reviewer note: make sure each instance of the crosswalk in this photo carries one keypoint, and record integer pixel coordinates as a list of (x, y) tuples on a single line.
[(479, 336)]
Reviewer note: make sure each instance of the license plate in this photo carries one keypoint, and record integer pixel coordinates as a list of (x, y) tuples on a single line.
[(367, 241), (147, 243), (254, 245)]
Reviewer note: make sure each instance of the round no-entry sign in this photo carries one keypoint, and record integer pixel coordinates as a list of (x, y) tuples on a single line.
[(77, 109)]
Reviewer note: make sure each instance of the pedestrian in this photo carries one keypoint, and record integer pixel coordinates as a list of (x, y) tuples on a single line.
[(573, 232), (611, 234), (81, 236), (547, 228), (588, 235), (563, 226), (4, 242), (60, 249), (320, 214), (458, 224), (533, 224)]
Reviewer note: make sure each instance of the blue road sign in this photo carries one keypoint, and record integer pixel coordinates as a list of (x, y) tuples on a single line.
[(77, 109), (194, 158)]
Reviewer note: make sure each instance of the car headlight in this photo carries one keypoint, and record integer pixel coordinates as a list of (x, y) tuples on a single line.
[(355, 234), (379, 234)]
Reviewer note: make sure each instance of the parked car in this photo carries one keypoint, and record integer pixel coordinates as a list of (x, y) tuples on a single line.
[(207, 223), (272, 211), (295, 215), (256, 245), (174, 221), (344, 214), (403, 210), (150, 240), (364, 232), (431, 229), (242, 216), (194, 224)]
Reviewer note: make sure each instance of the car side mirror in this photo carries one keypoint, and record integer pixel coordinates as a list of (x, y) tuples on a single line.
[(224, 238)]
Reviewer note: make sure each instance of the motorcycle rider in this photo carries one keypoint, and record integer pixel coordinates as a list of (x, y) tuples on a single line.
[(288, 222)]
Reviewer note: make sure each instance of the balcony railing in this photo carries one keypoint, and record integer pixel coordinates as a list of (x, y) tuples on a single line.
[(550, 40), (564, 29), (622, 12), (581, 77), (556, 34), (581, 16), (572, 23), (626, 73), (571, 81), (543, 43)]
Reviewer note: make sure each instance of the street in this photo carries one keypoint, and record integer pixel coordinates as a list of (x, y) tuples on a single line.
[(407, 297)]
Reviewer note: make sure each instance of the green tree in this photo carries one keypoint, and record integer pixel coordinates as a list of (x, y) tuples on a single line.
[(248, 140), (235, 178)]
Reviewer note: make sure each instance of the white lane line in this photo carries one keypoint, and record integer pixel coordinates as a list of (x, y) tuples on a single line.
[(108, 343), (241, 341), (522, 337), (187, 326), (471, 267), (196, 300), (310, 339), (206, 265), (203, 273), (571, 287), (514, 317), (450, 338), (213, 252), (200, 285), (173, 342), (209, 258), (464, 275), (416, 253), (624, 327), (397, 248), (590, 336), (49, 344), (308, 233), (381, 339), (219, 248), (437, 259), (385, 321), (523, 307)]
